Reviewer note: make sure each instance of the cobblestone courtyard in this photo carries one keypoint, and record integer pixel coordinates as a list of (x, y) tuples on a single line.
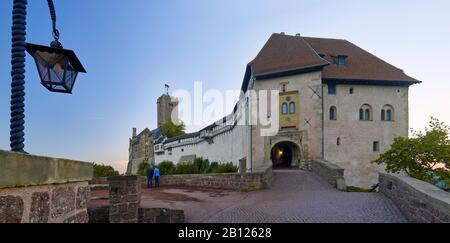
[(294, 197)]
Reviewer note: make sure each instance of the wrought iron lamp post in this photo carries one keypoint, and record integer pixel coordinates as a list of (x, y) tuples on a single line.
[(58, 68)]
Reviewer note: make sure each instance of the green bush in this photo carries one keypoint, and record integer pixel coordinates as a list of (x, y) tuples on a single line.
[(225, 168), (166, 168), (104, 171), (199, 166), (185, 169), (142, 169)]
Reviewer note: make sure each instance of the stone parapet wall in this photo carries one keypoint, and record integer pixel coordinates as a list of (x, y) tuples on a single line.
[(63, 203), (36, 189), (419, 201), (330, 172), (256, 180), (124, 199), (232, 181)]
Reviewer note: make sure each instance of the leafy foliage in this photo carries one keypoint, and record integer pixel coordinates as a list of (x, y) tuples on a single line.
[(422, 155), (170, 130), (142, 169), (104, 171), (199, 166), (166, 168)]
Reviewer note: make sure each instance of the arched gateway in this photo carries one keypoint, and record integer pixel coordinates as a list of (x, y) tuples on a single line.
[(285, 155)]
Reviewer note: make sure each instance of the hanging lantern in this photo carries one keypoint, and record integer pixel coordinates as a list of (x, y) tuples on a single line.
[(58, 68)]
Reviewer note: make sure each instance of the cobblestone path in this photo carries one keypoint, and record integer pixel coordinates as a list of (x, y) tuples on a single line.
[(302, 197)]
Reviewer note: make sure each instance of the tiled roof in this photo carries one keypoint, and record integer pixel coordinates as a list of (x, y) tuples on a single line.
[(285, 53), (359, 64)]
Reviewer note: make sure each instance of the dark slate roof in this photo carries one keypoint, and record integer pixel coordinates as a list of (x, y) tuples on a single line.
[(160, 140), (156, 133)]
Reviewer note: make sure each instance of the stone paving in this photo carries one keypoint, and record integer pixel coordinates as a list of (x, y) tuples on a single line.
[(302, 197), (294, 197)]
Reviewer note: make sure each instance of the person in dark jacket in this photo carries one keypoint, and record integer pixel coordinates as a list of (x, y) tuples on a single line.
[(150, 173)]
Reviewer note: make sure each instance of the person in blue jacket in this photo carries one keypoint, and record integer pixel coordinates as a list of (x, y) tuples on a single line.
[(150, 173), (156, 174)]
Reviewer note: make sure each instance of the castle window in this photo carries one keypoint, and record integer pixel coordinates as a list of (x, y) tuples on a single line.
[(284, 109), (376, 146), (333, 113), (338, 142), (331, 89), (292, 108), (365, 113), (387, 113), (341, 60), (351, 91)]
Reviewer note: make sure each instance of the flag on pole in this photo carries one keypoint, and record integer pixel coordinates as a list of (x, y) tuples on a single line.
[(167, 89)]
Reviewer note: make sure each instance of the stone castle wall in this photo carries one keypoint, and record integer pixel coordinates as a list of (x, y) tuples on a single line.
[(419, 201), (35, 189), (355, 150), (64, 203)]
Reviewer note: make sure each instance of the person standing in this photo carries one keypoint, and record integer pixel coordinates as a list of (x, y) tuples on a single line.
[(156, 174), (150, 173)]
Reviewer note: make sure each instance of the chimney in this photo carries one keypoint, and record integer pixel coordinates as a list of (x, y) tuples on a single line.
[(134, 132), (298, 35)]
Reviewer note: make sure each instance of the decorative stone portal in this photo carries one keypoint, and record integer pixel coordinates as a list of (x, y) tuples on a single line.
[(285, 155)]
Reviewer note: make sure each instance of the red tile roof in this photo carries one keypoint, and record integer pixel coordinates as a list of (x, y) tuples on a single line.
[(283, 53)]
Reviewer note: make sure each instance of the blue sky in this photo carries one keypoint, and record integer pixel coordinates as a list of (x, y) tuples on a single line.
[(132, 48)]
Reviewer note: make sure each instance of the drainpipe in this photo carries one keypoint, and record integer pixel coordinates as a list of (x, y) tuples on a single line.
[(323, 125), (250, 148)]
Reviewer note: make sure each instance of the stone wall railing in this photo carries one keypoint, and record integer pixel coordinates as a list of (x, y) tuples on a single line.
[(252, 181), (330, 172), (419, 201), (124, 205), (256, 180), (35, 189)]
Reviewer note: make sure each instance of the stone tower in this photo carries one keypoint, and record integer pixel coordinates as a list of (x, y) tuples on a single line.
[(167, 107)]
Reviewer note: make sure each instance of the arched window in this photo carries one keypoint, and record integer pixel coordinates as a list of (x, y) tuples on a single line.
[(284, 108), (365, 113), (292, 108), (333, 113), (387, 113)]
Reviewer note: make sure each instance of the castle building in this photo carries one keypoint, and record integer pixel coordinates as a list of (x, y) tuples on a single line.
[(141, 146), (337, 102)]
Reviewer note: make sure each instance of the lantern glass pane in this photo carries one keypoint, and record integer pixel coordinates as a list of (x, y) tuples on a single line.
[(55, 62), (42, 67), (71, 75)]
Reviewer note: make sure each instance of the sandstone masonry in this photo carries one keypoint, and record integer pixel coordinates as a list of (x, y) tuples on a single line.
[(36, 189), (419, 201)]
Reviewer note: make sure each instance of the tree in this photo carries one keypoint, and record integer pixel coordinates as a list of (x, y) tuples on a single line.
[(142, 169), (104, 171), (425, 156), (170, 130)]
